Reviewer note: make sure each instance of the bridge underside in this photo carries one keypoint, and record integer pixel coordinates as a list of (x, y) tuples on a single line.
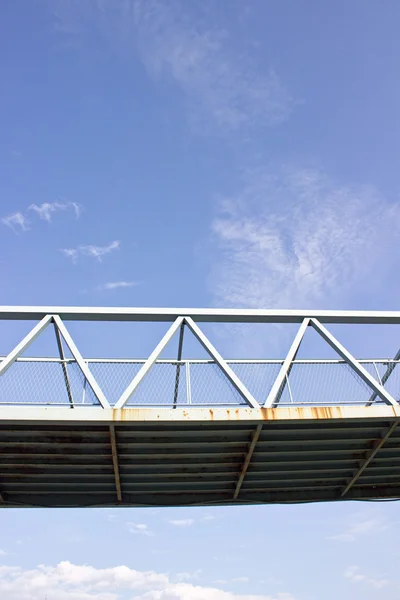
[(173, 457)]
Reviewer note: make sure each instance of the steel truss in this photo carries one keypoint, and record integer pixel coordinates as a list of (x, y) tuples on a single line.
[(258, 451)]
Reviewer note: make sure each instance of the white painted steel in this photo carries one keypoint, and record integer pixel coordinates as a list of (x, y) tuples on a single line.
[(73, 313), (81, 363), (225, 368), (279, 384), (149, 363), (353, 363)]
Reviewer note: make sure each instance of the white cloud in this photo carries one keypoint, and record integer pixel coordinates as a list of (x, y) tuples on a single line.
[(208, 518), (361, 527), (16, 221), (355, 575), (67, 581), (114, 285), (99, 251), (46, 210), (140, 529), (296, 239), (71, 253), (77, 209), (204, 61), (217, 76), (3, 552), (181, 522), (94, 251)]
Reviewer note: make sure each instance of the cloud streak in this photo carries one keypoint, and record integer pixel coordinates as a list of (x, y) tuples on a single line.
[(46, 210), (353, 531), (115, 285), (140, 529), (96, 252), (297, 239), (16, 222), (355, 574), (181, 522), (218, 80)]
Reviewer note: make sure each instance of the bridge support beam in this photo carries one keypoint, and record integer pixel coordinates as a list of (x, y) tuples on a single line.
[(247, 460), (115, 460), (369, 458)]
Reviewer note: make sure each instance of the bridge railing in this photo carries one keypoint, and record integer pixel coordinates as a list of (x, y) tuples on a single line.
[(193, 383)]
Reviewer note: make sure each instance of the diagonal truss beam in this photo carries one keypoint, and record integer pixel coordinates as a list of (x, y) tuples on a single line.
[(27, 341), (279, 385), (63, 365), (115, 460), (81, 363), (369, 458), (247, 460), (385, 376), (353, 363), (149, 363), (225, 368)]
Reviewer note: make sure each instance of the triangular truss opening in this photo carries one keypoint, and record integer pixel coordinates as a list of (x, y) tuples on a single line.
[(62, 378), (327, 382), (185, 382)]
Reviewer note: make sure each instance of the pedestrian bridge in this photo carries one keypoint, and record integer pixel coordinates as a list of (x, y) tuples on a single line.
[(81, 431)]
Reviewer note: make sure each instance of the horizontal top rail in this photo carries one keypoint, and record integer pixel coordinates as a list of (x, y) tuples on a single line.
[(200, 361), (212, 315)]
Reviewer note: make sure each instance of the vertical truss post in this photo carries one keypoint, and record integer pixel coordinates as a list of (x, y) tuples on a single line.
[(81, 363), (22, 346), (225, 368), (353, 363), (279, 385), (149, 363), (188, 386), (385, 376), (178, 366), (63, 365)]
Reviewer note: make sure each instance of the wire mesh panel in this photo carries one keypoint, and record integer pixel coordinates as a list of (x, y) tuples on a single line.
[(114, 377), (45, 383), (210, 386), (159, 385), (392, 383), (258, 377), (323, 383)]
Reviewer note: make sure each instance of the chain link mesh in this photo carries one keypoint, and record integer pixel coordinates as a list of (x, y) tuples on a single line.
[(166, 384), (326, 384), (43, 383)]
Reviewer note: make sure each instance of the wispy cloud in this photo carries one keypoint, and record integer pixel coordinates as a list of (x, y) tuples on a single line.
[(97, 252), (114, 285), (200, 54), (360, 527), (71, 253), (355, 574), (203, 61), (16, 222), (3, 552), (140, 529), (46, 210), (181, 522), (297, 238)]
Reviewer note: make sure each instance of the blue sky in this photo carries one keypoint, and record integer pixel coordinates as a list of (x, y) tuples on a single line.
[(239, 153)]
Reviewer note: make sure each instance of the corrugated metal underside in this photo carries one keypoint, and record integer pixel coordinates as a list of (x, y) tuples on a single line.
[(194, 463)]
